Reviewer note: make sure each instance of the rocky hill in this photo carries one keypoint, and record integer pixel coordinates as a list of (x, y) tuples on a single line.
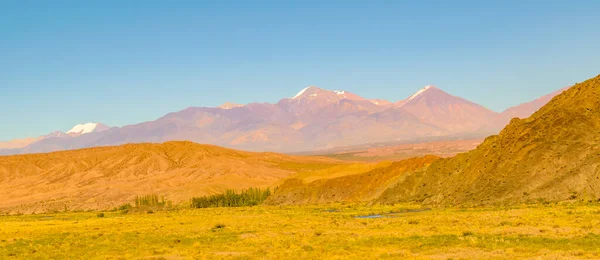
[(554, 155)]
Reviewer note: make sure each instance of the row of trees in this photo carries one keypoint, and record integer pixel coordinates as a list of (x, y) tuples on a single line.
[(249, 197), (151, 200)]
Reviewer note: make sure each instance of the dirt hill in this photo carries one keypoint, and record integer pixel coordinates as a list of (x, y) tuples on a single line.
[(554, 155), (107, 177), (358, 187)]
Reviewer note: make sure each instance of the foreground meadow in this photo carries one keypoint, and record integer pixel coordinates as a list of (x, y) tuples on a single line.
[(332, 231)]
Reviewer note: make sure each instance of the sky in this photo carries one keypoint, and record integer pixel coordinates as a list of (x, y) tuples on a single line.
[(124, 62)]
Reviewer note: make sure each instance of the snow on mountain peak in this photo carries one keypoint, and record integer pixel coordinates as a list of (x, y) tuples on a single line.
[(419, 92), (83, 128), (301, 92), (230, 105), (324, 94)]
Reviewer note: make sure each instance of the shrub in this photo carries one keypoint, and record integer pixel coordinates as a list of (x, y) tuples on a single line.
[(308, 248), (505, 223), (468, 233), (125, 207), (100, 215), (249, 197), (218, 227)]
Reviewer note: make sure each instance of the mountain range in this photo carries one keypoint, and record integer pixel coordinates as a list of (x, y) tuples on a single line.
[(551, 156), (314, 119)]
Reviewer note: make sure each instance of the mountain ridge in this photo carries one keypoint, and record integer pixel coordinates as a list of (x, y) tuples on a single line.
[(551, 156), (315, 119)]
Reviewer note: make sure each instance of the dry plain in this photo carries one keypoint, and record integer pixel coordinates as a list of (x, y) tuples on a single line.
[(333, 231)]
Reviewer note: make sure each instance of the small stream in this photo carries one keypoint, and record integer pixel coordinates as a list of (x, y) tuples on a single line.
[(394, 214)]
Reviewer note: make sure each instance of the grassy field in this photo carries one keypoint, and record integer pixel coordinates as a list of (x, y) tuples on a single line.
[(309, 232)]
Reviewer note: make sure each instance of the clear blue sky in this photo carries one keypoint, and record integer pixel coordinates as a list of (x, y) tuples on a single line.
[(124, 62)]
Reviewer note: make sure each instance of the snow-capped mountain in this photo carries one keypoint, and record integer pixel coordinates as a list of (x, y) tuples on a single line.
[(87, 128), (77, 130), (436, 107), (230, 105), (313, 119), (313, 92)]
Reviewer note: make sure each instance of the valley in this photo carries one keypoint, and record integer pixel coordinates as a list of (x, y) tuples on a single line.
[(402, 151), (526, 162), (163, 130)]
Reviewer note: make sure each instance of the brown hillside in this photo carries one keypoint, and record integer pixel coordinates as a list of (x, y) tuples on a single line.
[(359, 187), (107, 177), (553, 155)]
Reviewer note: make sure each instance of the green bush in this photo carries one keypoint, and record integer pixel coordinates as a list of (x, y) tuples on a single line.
[(100, 215), (125, 207), (145, 203), (151, 200), (249, 197)]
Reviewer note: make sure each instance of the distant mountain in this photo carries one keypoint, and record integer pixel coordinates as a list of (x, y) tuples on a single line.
[(520, 111), (314, 119), (436, 107), (527, 109), (87, 128), (11, 147), (17, 143)]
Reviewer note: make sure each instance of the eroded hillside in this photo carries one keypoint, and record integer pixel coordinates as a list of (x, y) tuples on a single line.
[(106, 177), (361, 187), (554, 155)]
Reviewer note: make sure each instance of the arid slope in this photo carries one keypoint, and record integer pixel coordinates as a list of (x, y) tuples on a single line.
[(106, 177), (553, 155), (359, 187)]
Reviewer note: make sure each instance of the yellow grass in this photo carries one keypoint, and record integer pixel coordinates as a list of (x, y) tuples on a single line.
[(308, 232)]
